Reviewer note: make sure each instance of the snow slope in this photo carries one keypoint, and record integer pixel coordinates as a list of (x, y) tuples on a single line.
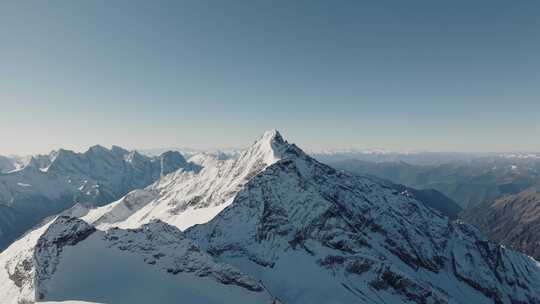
[(185, 198), (69, 259)]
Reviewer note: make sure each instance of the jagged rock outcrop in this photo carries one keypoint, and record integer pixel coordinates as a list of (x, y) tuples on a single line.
[(156, 257)]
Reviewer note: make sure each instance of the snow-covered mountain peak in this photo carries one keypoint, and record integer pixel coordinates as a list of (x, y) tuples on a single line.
[(270, 140), (272, 136), (270, 148), (351, 239), (267, 148), (185, 198)]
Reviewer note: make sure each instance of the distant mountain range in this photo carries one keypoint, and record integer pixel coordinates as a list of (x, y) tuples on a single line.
[(371, 155), (270, 225), (48, 184), (416, 157), (468, 183)]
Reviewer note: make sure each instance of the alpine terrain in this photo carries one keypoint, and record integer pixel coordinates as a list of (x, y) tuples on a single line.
[(48, 184), (269, 225)]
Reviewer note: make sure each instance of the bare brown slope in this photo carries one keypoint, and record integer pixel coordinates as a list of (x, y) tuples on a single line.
[(513, 220)]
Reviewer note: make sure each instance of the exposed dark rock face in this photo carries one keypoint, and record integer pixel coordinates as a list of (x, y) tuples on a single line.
[(33, 267), (64, 231)]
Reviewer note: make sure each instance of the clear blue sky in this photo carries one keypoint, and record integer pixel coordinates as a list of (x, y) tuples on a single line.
[(436, 75)]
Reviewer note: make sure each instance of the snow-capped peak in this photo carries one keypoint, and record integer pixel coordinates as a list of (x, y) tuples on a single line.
[(185, 198), (272, 136), (271, 147), (267, 147), (347, 239)]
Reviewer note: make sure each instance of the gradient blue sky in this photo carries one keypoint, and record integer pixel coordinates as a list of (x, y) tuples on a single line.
[(436, 75)]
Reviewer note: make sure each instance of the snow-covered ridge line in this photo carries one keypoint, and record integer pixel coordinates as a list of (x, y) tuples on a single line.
[(45, 270), (185, 198)]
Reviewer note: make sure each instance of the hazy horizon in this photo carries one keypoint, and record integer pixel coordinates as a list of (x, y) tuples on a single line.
[(455, 76), (352, 149)]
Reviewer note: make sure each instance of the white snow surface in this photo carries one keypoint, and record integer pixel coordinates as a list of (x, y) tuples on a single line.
[(68, 260)]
